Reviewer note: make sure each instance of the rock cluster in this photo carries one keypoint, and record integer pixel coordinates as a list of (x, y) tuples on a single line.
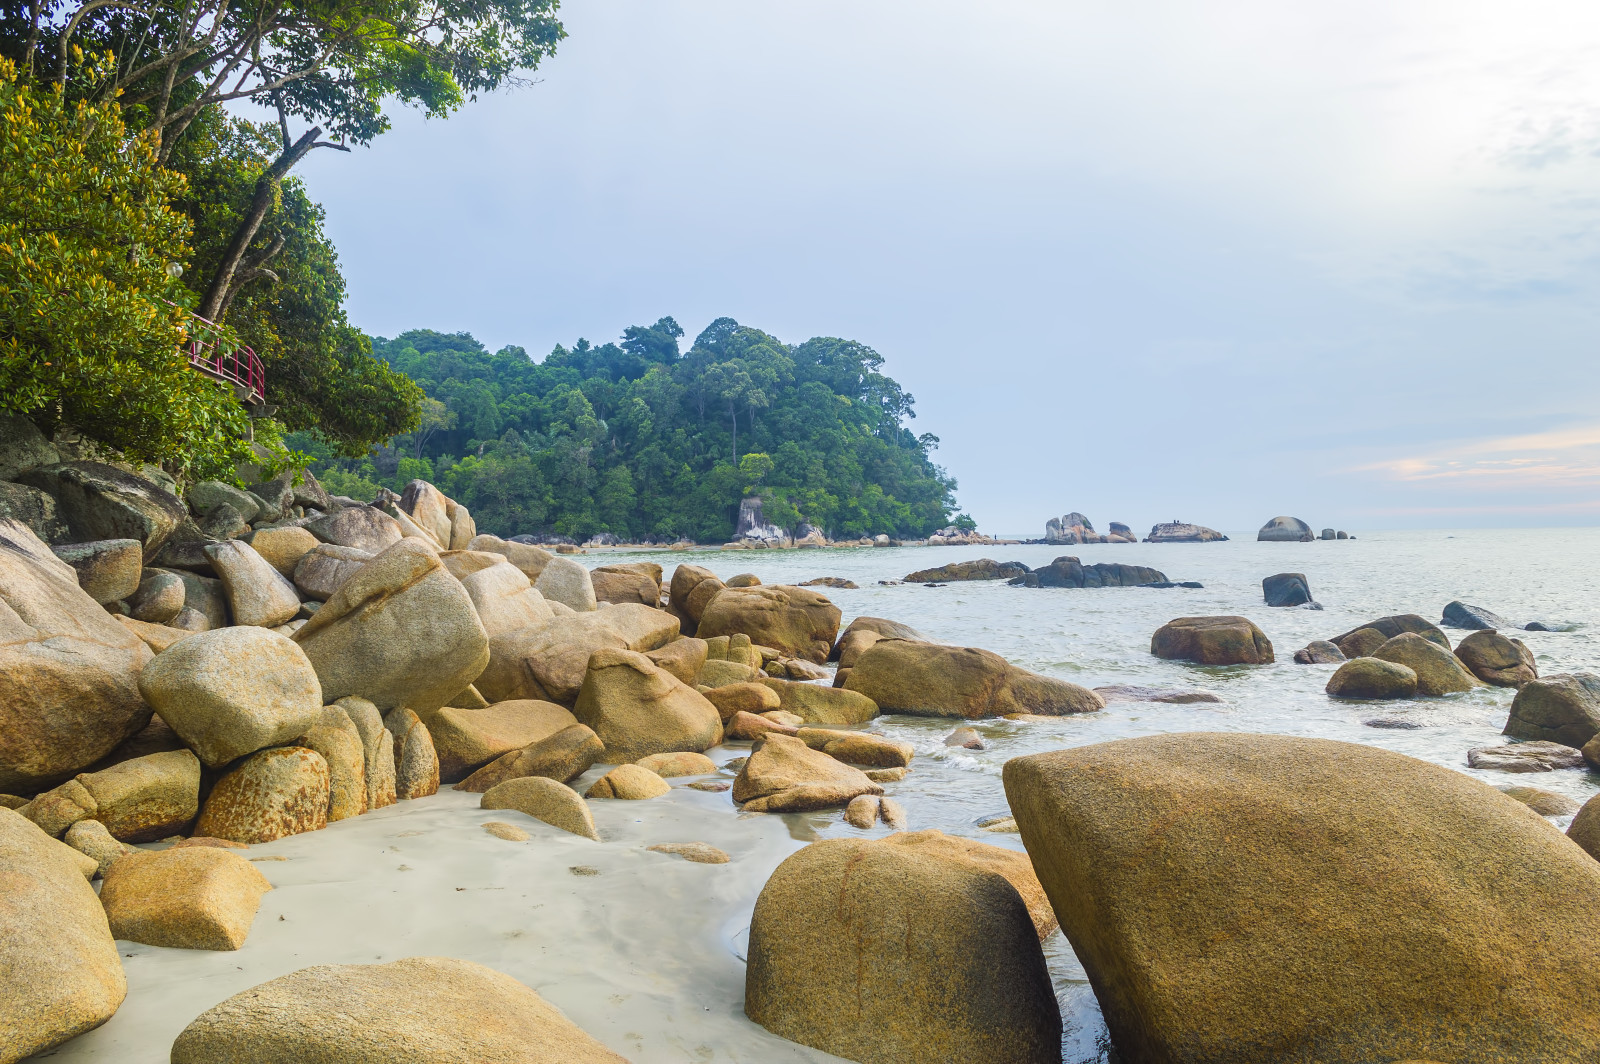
[(1180, 532)]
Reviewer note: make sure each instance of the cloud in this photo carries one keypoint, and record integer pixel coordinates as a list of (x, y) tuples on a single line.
[(1561, 459)]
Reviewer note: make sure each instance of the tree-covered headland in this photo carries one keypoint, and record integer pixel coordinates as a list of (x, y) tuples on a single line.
[(641, 439), (148, 202)]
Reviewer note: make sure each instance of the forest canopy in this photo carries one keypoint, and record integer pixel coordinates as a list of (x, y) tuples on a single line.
[(642, 440)]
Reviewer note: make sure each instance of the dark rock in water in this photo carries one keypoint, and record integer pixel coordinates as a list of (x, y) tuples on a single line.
[(1398, 723), (1172, 695), (1459, 615), (1286, 589), (1549, 626), (1563, 709), (1328, 533), (1389, 627), (1070, 572), (1344, 535), (1162, 584), (1318, 652), (1073, 528), (1284, 530), (982, 569), (1121, 533), (1182, 532)]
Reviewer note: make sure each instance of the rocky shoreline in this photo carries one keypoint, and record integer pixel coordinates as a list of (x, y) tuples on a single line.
[(170, 729)]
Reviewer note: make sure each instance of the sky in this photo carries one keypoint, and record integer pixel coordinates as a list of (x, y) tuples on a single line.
[(1214, 262)]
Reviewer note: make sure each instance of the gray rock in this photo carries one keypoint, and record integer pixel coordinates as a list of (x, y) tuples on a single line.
[(1525, 757), (1318, 652), (208, 494), (102, 502), (1286, 589), (1135, 693), (222, 522), (322, 571), (23, 447), (416, 769), (108, 569), (1182, 532), (159, 597), (363, 527), (33, 508), (1328, 533), (1285, 530), (205, 596), (1068, 571), (1459, 615), (309, 493)]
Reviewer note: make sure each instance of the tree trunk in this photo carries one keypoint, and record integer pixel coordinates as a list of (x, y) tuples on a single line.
[(216, 299)]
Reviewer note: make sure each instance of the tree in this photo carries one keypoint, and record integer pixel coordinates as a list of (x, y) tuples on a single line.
[(329, 63), (434, 416), (90, 334), (320, 370)]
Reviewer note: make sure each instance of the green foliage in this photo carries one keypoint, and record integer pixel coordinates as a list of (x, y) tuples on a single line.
[(636, 439), (320, 369), (87, 334)]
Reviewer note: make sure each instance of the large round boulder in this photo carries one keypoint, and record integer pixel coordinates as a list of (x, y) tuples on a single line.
[(417, 1009), (233, 691), (567, 581), (525, 556), (1372, 678), (1212, 641), (58, 962), (1439, 672), (400, 631), (1460, 615), (923, 951), (933, 680), (1285, 530), (270, 794), (1231, 895), (1560, 709), (544, 799), (146, 798), (108, 569), (1497, 660), (69, 673), (1585, 827), (795, 621), (364, 527), (637, 708), (322, 570)]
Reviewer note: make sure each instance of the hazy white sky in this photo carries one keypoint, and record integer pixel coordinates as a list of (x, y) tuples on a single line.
[(1213, 261)]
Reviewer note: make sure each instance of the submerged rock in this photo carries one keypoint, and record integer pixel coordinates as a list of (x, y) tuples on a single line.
[(926, 951), (1135, 693), (1543, 802), (695, 852), (546, 800), (1535, 756), (1143, 846)]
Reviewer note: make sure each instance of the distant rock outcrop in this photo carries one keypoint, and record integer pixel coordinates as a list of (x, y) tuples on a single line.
[(1285, 530), (1070, 572), (1182, 532), (1121, 533), (1073, 528)]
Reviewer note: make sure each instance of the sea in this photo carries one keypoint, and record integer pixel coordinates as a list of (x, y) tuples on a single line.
[(1101, 636)]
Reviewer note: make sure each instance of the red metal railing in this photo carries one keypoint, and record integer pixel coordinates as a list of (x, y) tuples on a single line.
[(236, 365)]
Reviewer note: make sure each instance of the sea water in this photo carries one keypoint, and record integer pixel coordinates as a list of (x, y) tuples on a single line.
[(644, 951), (1101, 636)]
